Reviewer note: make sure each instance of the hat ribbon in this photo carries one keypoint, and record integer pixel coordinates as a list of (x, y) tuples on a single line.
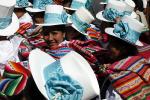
[(111, 14), (60, 86), (22, 3), (80, 25), (56, 18), (40, 4), (123, 31), (5, 22)]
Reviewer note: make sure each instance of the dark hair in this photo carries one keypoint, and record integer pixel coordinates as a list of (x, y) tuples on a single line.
[(139, 5), (126, 49), (47, 29)]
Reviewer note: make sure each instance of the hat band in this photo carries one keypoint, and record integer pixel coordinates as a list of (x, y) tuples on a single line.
[(123, 31), (22, 3), (5, 22), (76, 4), (80, 25), (60, 86), (40, 4), (111, 14), (53, 18)]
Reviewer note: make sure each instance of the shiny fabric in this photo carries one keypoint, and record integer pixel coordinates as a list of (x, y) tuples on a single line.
[(123, 31), (80, 25), (5, 22), (60, 86), (40, 4), (76, 4), (52, 18), (22, 3), (111, 14)]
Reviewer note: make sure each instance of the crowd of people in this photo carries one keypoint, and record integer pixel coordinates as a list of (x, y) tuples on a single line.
[(63, 50)]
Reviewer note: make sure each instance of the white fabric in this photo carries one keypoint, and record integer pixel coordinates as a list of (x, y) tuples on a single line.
[(145, 3), (26, 18), (9, 50)]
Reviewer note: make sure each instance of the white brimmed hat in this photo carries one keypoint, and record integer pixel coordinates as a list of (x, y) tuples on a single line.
[(22, 4), (72, 64), (39, 5), (115, 9), (9, 22), (81, 20), (76, 4), (55, 15), (128, 29)]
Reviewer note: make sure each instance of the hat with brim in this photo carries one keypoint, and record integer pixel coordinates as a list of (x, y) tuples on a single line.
[(81, 20), (11, 28), (55, 15), (72, 64), (23, 6), (34, 10), (37, 60), (110, 31), (68, 8)]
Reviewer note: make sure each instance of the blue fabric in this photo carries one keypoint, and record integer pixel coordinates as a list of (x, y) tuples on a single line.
[(52, 18), (88, 4), (60, 86), (22, 3), (76, 4), (111, 14), (5, 22), (123, 31), (81, 26), (40, 4)]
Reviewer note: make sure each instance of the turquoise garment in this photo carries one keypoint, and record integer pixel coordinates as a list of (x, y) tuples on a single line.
[(60, 86), (123, 31), (111, 14), (22, 3), (80, 25), (52, 18), (88, 4), (76, 4), (40, 4), (5, 22)]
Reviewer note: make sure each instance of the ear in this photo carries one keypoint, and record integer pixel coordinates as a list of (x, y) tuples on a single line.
[(64, 34)]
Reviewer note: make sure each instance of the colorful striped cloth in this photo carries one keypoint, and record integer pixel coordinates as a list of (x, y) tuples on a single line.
[(144, 51), (131, 78), (59, 52), (14, 79)]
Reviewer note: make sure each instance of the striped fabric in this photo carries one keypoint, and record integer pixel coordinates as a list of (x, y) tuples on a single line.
[(131, 78), (96, 35), (144, 51), (58, 53), (14, 79)]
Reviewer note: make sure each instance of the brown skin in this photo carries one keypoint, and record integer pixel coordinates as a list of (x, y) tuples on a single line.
[(53, 36), (19, 12), (37, 17)]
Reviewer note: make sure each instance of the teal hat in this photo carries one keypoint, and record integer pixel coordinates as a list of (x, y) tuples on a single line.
[(128, 30), (76, 4), (22, 4), (81, 20), (39, 5), (63, 80), (55, 15)]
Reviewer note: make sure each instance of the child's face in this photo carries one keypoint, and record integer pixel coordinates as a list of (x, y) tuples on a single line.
[(54, 38), (19, 12)]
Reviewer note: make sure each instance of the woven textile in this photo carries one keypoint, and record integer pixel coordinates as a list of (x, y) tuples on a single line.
[(14, 79), (131, 78), (144, 51), (59, 52)]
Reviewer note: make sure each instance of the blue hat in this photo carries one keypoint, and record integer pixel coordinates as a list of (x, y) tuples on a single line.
[(9, 22), (22, 4), (39, 5), (115, 9), (76, 4), (81, 20), (128, 29), (55, 15), (64, 79)]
